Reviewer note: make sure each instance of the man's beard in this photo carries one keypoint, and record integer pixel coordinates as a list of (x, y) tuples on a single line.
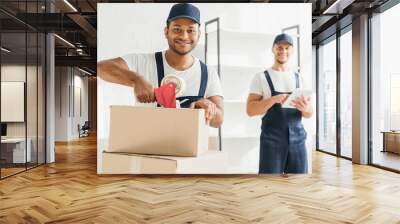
[(280, 62), (172, 47)]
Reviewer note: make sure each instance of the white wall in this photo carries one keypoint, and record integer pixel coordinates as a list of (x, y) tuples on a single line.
[(122, 29), (68, 82), (61, 103), (33, 127), (14, 73), (17, 73)]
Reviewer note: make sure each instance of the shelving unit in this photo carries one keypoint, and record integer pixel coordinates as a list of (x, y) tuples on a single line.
[(238, 55), (242, 55), (235, 81)]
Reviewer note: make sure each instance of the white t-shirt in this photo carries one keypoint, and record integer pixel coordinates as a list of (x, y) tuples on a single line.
[(145, 65), (282, 81)]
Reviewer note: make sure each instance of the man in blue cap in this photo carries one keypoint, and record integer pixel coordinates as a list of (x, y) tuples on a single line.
[(282, 140), (143, 72)]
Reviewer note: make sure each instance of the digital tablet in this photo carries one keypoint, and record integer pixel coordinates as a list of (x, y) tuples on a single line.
[(295, 94)]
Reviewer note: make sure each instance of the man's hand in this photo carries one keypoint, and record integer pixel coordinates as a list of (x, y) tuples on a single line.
[(281, 98), (117, 71), (256, 105), (303, 104), (209, 107), (143, 91)]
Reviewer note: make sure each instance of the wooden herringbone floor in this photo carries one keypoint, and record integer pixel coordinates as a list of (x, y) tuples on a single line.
[(70, 191)]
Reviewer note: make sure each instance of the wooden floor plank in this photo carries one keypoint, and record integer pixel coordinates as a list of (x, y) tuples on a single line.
[(70, 191)]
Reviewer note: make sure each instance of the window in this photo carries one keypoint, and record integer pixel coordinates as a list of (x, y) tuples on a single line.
[(346, 94), (327, 97), (394, 101), (385, 89), (22, 66)]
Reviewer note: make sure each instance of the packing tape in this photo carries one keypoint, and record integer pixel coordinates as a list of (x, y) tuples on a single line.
[(180, 84)]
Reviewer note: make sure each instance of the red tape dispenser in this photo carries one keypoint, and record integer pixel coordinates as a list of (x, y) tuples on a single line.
[(165, 95), (172, 86)]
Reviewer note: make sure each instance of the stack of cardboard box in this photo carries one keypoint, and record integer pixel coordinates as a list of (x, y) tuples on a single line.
[(160, 141), (391, 142)]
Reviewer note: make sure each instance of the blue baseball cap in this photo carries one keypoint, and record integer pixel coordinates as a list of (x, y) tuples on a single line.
[(184, 10), (283, 38)]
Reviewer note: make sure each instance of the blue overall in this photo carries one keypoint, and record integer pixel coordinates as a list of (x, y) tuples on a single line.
[(203, 81), (282, 140)]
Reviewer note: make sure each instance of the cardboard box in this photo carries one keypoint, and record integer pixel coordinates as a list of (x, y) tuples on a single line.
[(392, 142), (211, 162), (158, 131)]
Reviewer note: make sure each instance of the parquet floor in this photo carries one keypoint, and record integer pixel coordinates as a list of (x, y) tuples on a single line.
[(70, 191), (10, 171)]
